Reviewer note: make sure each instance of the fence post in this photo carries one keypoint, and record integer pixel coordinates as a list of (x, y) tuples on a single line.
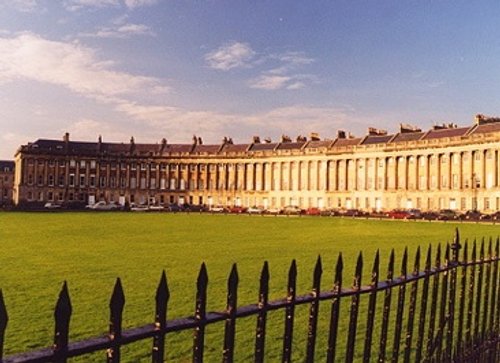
[(412, 308), (290, 312), (200, 314), (371, 309), (260, 336), (232, 299), (162, 297), (116, 305), (313, 312), (353, 319), (4, 318), (335, 311), (62, 315)]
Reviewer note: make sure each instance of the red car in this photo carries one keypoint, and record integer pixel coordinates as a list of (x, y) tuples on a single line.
[(398, 214), (237, 209), (313, 211)]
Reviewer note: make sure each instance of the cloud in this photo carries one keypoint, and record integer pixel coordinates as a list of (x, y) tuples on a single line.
[(233, 55), (20, 5), (122, 31), (30, 57), (270, 82), (132, 4), (75, 5)]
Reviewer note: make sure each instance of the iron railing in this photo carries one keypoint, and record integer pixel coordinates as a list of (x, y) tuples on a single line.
[(433, 325)]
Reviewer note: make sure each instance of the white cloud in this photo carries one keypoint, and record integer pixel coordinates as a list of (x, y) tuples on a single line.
[(122, 31), (233, 55), (270, 82), (132, 4), (75, 5), (29, 57), (296, 85)]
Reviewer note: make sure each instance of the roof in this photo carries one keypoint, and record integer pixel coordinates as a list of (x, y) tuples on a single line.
[(212, 149), (263, 147), (290, 145), (486, 128), (235, 147), (347, 142), (318, 143), (407, 136), (377, 139), (454, 132), (7, 164)]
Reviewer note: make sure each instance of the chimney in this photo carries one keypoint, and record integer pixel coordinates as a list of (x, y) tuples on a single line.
[(314, 136), (132, 144), (200, 141), (256, 140), (341, 134), (301, 138), (285, 138), (195, 140), (407, 128), (99, 143), (376, 132), (267, 140), (66, 137)]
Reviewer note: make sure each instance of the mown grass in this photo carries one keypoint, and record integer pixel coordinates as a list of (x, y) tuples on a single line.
[(90, 250)]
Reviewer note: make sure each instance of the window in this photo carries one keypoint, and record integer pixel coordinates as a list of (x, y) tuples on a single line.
[(143, 166), (153, 166), (143, 182), (133, 183), (52, 162), (82, 164), (40, 179), (153, 183), (71, 180), (92, 181), (102, 181), (477, 156), (30, 179), (123, 182), (51, 180), (112, 182), (133, 166), (82, 180), (50, 196), (61, 180), (92, 164), (72, 163)]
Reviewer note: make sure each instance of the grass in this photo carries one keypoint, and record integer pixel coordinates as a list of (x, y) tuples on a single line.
[(90, 250)]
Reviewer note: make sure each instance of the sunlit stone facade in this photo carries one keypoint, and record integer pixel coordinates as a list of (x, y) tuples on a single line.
[(445, 167), (6, 182)]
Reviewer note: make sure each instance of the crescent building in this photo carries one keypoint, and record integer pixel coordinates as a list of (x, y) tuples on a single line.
[(446, 167)]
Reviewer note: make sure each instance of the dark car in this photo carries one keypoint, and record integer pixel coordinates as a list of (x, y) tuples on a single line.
[(354, 213), (471, 215), (237, 209), (447, 215), (430, 216), (175, 208)]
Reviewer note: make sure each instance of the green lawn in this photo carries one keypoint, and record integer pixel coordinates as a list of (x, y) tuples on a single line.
[(89, 250)]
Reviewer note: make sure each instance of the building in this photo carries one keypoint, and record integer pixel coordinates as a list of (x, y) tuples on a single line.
[(6, 182), (444, 167)]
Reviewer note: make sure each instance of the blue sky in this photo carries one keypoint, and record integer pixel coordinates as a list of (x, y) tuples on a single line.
[(161, 68)]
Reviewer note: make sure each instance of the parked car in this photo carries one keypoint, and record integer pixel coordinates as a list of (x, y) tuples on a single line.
[(414, 213), (139, 207), (447, 215), (398, 214), (156, 208), (354, 213), (292, 210), (101, 206), (273, 210), (195, 208), (313, 211), (175, 208), (470, 215), (430, 215), (52, 206), (237, 209), (255, 210), (218, 209)]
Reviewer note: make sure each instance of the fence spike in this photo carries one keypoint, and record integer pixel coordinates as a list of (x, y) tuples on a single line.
[(62, 315), (4, 319), (200, 314), (419, 349), (162, 297), (335, 311), (116, 304), (412, 308), (260, 335), (371, 308), (230, 329), (486, 294), (479, 293), (313, 312), (386, 311), (493, 305), (400, 308), (290, 312), (353, 319), (470, 294), (462, 298)]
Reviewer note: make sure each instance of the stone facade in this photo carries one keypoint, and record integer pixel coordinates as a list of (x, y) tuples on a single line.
[(445, 167), (6, 182)]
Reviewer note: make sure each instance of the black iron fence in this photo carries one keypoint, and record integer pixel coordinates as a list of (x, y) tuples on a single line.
[(452, 314)]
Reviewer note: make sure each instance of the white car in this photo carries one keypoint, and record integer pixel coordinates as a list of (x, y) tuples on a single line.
[(156, 208), (139, 208), (50, 205), (103, 206), (255, 210)]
